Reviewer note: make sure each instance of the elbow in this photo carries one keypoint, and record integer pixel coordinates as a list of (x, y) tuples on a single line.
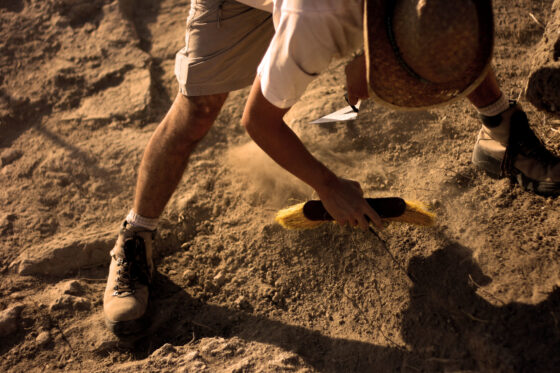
[(260, 117), (246, 120), (249, 121)]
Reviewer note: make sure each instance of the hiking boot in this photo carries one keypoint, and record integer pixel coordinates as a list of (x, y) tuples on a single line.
[(125, 302), (507, 147)]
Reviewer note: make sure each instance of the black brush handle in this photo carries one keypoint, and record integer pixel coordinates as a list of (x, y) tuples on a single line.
[(388, 207)]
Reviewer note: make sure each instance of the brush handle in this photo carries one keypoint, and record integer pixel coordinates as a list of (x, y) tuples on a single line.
[(388, 207)]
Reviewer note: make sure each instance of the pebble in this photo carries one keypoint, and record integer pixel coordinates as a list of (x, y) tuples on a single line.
[(9, 156), (70, 303), (242, 303), (43, 338), (72, 287), (105, 347), (164, 350), (193, 355), (199, 366), (18, 295), (266, 291), (277, 298), (6, 223), (9, 320), (220, 278), (190, 276)]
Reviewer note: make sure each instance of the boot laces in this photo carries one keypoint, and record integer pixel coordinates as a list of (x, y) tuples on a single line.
[(133, 268)]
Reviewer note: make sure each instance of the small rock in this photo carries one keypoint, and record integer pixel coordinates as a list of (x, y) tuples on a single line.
[(18, 295), (43, 338), (222, 348), (215, 210), (6, 223), (199, 366), (245, 365), (242, 303), (220, 278), (210, 286), (286, 361), (70, 303), (9, 320), (211, 344), (190, 276), (72, 287), (105, 347), (266, 291), (193, 355), (9, 156), (164, 350), (65, 253), (185, 246), (277, 297), (172, 272)]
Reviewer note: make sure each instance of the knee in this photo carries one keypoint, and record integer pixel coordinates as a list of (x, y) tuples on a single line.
[(197, 114), (205, 108)]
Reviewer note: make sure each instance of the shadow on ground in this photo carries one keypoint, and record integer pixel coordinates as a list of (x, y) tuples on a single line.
[(446, 317)]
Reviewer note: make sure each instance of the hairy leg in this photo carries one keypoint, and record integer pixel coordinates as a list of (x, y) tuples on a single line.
[(168, 151), (487, 92)]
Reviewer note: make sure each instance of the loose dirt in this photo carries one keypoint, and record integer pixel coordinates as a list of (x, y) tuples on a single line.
[(83, 85)]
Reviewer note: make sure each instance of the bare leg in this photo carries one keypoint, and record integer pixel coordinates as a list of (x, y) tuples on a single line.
[(168, 151), (487, 92)]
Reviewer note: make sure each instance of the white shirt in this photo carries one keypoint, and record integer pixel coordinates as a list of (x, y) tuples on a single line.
[(265, 5), (309, 33)]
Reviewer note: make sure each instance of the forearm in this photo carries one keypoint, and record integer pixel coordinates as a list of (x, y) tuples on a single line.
[(266, 127), (286, 149), (356, 79), (342, 198)]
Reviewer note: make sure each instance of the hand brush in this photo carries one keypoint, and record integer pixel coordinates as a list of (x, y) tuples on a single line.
[(311, 214)]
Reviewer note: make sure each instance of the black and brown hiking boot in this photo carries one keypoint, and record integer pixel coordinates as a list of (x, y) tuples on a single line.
[(507, 147), (125, 303)]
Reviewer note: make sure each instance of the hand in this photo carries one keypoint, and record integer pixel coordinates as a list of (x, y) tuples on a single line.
[(344, 200), (356, 79)]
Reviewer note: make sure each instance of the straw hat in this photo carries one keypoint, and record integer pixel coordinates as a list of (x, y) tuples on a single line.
[(423, 53)]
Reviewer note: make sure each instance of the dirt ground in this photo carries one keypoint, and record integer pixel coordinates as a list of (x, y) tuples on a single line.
[(83, 84)]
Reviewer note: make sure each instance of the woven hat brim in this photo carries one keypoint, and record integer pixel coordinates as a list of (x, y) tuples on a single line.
[(392, 85)]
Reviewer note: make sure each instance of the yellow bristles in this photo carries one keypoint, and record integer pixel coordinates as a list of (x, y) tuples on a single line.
[(293, 218), (415, 213)]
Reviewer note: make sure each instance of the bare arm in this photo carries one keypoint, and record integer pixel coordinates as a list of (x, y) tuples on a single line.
[(356, 79), (342, 198)]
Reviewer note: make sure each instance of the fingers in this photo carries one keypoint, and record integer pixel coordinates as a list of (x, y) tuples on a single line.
[(346, 204), (363, 223), (374, 218), (356, 80), (362, 216), (353, 99), (370, 217)]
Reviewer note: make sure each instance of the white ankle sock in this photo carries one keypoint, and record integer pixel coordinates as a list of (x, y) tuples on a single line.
[(140, 221), (496, 108)]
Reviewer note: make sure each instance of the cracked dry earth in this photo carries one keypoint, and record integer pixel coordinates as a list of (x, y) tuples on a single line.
[(83, 85)]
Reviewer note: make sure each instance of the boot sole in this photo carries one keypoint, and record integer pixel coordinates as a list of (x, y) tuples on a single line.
[(493, 168), (129, 330), (543, 188)]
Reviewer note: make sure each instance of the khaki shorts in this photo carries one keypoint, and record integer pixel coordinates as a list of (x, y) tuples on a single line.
[(224, 44)]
